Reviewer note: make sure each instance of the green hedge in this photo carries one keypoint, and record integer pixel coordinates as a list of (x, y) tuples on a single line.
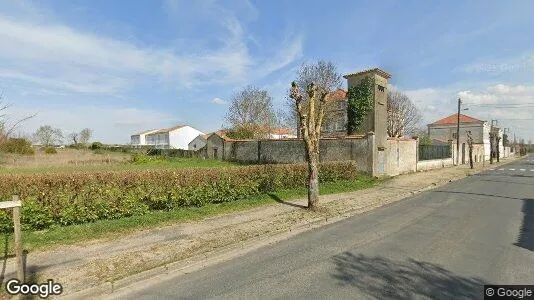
[(75, 198)]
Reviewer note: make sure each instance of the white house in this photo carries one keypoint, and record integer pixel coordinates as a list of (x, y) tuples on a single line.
[(445, 130), (281, 133), (177, 137), (198, 142), (139, 139)]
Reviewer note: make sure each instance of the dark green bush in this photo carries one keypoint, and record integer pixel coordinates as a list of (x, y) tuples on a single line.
[(50, 150), (75, 198), (96, 145), (17, 146)]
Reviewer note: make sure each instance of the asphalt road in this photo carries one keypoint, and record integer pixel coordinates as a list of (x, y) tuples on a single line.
[(441, 244)]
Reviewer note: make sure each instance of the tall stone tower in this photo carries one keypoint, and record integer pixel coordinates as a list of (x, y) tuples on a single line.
[(376, 119)]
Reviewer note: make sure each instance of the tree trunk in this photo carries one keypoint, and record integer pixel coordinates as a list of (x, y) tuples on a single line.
[(491, 149), (471, 156), (313, 181), (498, 150)]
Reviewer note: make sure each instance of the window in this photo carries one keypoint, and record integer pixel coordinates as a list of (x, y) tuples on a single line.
[(454, 135), (381, 88)]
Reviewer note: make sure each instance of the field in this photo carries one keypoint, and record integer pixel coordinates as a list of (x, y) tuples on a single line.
[(69, 160)]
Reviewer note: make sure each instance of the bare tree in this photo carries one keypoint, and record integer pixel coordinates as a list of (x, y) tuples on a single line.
[(403, 116), (251, 113), (323, 74), (47, 135), (85, 135), (6, 127), (73, 137)]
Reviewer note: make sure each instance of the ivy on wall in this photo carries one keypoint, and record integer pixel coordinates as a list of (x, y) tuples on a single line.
[(360, 102)]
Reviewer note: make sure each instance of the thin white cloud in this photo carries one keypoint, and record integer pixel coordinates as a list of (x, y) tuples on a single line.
[(218, 101), (53, 55), (500, 66)]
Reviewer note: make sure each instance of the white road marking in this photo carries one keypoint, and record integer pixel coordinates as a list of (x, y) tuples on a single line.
[(521, 169), (511, 169), (531, 170), (501, 169)]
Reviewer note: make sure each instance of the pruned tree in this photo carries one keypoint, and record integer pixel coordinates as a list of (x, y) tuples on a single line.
[(85, 136), (47, 135), (492, 143), (403, 116), (323, 74), (251, 113), (498, 150), (470, 145), (310, 119)]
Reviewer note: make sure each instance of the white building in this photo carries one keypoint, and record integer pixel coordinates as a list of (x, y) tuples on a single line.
[(199, 142), (282, 133), (177, 137), (446, 129), (139, 139)]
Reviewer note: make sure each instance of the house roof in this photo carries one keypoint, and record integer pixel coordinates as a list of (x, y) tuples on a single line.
[(337, 95), (281, 130), (145, 132), (453, 119), (168, 129), (377, 70)]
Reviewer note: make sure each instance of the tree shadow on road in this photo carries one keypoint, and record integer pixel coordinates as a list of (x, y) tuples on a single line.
[(383, 278), (526, 233)]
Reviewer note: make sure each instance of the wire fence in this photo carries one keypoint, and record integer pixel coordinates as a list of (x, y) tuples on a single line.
[(427, 152)]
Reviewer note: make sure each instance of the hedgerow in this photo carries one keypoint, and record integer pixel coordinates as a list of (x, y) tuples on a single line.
[(74, 198)]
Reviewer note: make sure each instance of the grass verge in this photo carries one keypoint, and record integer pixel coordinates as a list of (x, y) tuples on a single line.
[(108, 229)]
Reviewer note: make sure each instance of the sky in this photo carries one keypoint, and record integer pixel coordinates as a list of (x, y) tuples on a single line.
[(119, 67)]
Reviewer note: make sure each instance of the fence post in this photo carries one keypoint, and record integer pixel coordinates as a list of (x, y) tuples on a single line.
[(18, 240)]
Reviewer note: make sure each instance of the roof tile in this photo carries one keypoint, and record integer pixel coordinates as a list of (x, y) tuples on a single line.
[(453, 119)]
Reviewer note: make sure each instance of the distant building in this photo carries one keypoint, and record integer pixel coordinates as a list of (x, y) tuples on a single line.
[(198, 143), (177, 137), (281, 133), (445, 130), (335, 120), (139, 139)]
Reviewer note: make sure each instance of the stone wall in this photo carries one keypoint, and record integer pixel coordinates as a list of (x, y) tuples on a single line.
[(401, 156), (425, 165), (356, 148)]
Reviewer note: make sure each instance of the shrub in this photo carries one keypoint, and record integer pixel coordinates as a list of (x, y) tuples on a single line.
[(80, 197), (50, 150), (96, 145), (17, 146)]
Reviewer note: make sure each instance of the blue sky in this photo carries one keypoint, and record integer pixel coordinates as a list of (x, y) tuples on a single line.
[(123, 66)]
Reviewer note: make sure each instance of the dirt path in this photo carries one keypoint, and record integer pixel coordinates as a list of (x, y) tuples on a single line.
[(82, 266)]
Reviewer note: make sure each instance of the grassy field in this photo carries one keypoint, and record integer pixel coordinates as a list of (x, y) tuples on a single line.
[(69, 160), (116, 228)]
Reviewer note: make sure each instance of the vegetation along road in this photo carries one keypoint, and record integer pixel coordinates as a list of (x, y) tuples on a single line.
[(445, 243)]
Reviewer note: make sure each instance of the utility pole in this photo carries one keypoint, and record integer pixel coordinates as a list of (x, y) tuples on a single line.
[(492, 142), (458, 134)]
